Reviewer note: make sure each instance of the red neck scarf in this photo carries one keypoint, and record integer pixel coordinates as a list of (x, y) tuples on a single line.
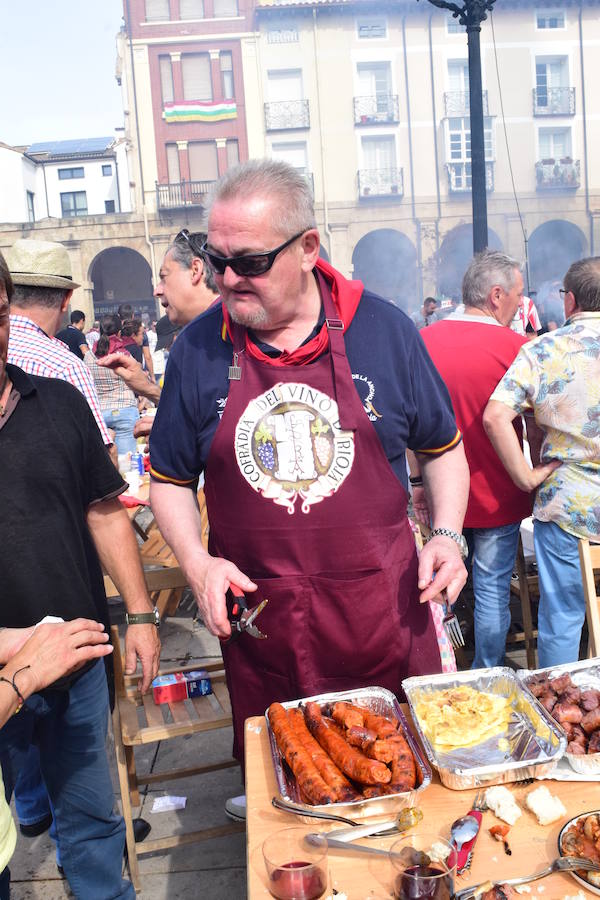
[(346, 297)]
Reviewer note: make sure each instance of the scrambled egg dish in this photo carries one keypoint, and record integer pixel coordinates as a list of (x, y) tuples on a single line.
[(461, 716)]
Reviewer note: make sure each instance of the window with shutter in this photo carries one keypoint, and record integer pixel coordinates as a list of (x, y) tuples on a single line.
[(157, 10), (202, 156), (226, 62), (166, 78), (191, 9), (233, 154), (224, 8), (173, 164), (195, 71)]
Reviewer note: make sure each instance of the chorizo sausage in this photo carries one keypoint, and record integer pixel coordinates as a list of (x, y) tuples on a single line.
[(309, 780), (327, 769), (347, 715), (351, 761)]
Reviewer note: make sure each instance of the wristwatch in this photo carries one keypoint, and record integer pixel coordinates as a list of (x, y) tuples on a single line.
[(454, 536), (150, 618)]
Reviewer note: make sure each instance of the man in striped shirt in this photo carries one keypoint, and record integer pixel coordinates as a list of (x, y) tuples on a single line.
[(39, 303), (43, 287)]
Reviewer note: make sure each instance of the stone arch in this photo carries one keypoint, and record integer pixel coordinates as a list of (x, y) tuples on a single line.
[(385, 260), (552, 247), (453, 257), (121, 275)]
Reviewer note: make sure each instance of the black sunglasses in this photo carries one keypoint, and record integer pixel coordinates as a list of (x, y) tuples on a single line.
[(192, 240), (250, 264)]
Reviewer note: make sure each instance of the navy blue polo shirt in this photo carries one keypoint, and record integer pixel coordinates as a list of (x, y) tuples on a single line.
[(401, 391)]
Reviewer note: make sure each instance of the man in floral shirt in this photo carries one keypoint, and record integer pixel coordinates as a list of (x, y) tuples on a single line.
[(557, 376)]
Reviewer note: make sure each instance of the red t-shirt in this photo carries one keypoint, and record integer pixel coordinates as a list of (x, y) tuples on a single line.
[(472, 357)]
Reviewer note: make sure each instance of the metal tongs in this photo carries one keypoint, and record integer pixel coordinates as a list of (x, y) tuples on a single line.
[(240, 617)]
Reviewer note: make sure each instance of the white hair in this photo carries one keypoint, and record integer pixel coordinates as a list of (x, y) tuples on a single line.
[(276, 180)]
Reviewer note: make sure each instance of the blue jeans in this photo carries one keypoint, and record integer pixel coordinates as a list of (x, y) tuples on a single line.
[(31, 797), (70, 730), (562, 603), (494, 552), (122, 422)]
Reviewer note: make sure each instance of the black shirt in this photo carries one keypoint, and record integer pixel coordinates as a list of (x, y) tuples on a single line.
[(53, 467), (74, 339)]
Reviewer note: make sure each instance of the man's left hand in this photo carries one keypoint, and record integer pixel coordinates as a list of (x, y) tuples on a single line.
[(441, 566), (142, 642)]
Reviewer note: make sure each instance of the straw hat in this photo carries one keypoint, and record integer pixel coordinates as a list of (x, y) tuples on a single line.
[(40, 264)]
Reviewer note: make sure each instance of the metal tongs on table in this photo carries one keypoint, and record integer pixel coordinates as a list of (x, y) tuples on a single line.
[(240, 617)]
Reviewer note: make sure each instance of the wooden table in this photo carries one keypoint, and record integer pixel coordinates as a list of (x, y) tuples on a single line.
[(368, 878)]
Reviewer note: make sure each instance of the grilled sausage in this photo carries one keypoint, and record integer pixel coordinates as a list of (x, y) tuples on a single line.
[(347, 715), (351, 761), (309, 780), (328, 770)]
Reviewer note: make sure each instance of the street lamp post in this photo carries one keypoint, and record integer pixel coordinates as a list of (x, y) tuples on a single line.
[(471, 14)]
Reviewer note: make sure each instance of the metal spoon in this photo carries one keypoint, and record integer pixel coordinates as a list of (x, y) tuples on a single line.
[(463, 830)]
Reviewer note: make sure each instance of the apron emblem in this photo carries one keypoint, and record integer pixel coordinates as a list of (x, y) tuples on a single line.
[(290, 448)]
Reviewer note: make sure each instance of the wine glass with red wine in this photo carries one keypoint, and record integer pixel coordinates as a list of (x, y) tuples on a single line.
[(420, 868), (296, 870)]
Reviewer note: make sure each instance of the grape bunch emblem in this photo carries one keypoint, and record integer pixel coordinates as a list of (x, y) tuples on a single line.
[(265, 451), (321, 444)]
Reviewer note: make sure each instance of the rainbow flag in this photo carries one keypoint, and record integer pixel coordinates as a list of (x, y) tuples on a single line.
[(194, 111)]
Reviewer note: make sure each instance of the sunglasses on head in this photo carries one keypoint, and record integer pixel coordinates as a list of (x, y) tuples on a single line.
[(249, 264), (194, 241)]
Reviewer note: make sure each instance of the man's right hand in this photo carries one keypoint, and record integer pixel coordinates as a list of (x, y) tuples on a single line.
[(143, 426), (129, 369), (210, 578), (55, 649)]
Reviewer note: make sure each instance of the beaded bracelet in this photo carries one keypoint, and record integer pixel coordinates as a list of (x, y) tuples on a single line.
[(415, 480), (16, 689)]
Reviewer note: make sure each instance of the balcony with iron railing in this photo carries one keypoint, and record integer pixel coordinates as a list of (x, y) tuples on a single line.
[(378, 109), (554, 101), (460, 177), (287, 114), (558, 174), (458, 103), (376, 183), (182, 193)]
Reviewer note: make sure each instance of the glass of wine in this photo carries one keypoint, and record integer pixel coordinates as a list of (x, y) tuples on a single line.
[(296, 870), (420, 869)]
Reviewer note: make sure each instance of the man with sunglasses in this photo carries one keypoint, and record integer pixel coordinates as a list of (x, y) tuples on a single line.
[(297, 396)]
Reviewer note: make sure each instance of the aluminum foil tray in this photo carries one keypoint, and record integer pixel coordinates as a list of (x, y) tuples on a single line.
[(584, 674), (534, 741), (381, 702)]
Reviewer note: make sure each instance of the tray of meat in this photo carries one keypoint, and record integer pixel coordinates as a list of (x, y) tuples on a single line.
[(571, 694), (348, 751)]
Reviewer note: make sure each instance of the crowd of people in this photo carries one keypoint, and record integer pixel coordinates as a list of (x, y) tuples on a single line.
[(306, 478)]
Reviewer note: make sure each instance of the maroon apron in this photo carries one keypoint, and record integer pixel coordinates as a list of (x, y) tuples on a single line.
[(315, 515)]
